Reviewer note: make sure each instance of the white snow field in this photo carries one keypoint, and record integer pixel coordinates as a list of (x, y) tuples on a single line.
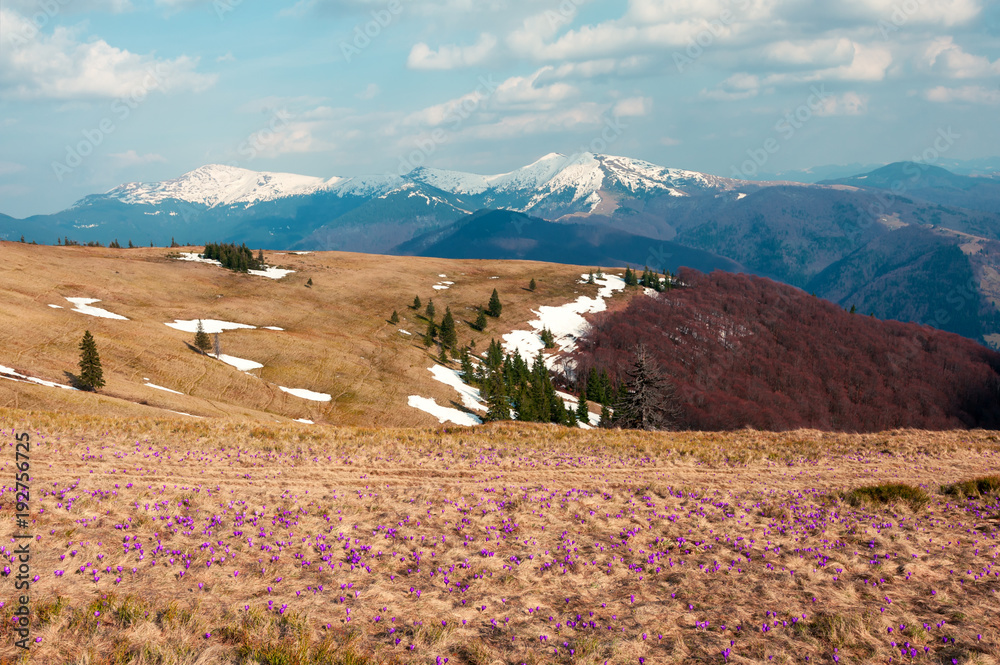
[(443, 413), (208, 325), (83, 306), (11, 374), (565, 321), (273, 273), (241, 364), (305, 421), (470, 396), (307, 394), (153, 385)]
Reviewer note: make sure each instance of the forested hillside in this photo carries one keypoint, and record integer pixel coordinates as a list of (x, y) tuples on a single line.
[(747, 351)]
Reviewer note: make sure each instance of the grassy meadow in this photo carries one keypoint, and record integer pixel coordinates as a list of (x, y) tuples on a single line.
[(215, 541)]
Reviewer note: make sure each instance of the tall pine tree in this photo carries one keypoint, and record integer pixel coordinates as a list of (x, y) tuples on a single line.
[(201, 339), (449, 337), (91, 373), (494, 308)]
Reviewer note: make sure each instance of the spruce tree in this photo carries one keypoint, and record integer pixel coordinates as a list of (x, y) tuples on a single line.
[(443, 355), (531, 285), (648, 400), (548, 339), (430, 309), (480, 323), (590, 278), (607, 419), (91, 373), (498, 404), (394, 319), (468, 372), (449, 337), (416, 302), (309, 283), (432, 331), (582, 412), (494, 308), (201, 339)]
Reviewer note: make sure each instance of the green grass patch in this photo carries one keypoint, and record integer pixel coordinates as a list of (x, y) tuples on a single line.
[(975, 487), (888, 493)]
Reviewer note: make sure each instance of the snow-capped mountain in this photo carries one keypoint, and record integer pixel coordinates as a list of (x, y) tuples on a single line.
[(581, 182)]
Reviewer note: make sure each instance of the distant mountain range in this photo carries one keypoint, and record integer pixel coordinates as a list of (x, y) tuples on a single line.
[(905, 241)]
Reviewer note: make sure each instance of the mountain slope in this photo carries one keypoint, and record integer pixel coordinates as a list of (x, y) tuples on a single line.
[(504, 234), (745, 351), (930, 183)]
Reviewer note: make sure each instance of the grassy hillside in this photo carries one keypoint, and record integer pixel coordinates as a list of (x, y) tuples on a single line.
[(336, 339)]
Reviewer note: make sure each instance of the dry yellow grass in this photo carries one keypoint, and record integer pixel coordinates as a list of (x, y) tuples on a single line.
[(336, 338), (510, 533)]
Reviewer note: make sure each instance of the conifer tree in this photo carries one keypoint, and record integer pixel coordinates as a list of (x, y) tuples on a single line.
[(531, 285), (130, 245), (201, 339), (648, 400), (449, 337), (590, 278), (443, 355), (548, 339), (394, 319), (607, 419), (430, 309), (494, 308), (432, 331), (582, 412), (468, 372), (309, 283), (91, 373), (480, 323), (416, 302), (497, 403)]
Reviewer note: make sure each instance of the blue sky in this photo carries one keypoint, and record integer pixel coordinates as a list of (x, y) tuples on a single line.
[(94, 93)]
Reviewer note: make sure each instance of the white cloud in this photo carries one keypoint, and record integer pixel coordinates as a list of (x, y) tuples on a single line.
[(451, 56), (370, 92), (946, 58), (34, 65), (7, 168), (228, 57), (132, 158), (849, 103), (970, 94), (632, 107)]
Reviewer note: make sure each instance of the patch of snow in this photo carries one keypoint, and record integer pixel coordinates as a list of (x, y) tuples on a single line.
[(271, 272), (11, 374), (208, 325), (566, 322), (443, 413), (239, 363), (181, 413), (83, 307), (307, 394), (300, 253), (470, 396), (56, 306), (153, 385), (304, 420), (740, 196), (494, 278), (272, 328), (405, 332), (197, 258), (442, 275), (440, 287)]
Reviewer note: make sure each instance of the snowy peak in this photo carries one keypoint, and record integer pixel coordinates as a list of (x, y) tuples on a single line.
[(555, 182), (217, 184)]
